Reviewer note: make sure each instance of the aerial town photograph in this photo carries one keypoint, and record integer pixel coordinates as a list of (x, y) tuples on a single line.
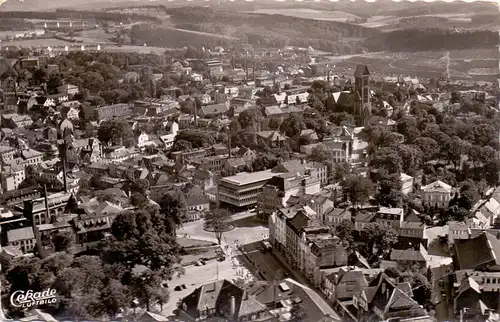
[(261, 160)]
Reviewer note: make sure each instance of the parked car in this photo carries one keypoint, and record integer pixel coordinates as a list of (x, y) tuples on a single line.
[(184, 286), (178, 288), (203, 262)]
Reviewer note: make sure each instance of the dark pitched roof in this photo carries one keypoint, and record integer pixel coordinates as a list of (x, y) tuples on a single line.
[(478, 252), (361, 70), (217, 295)]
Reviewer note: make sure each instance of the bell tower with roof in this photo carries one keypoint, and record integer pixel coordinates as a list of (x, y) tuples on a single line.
[(362, 91)]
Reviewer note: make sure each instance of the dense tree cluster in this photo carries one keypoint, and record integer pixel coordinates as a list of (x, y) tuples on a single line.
[(130, 266), (233, 27), (11, 24), (78, 15)]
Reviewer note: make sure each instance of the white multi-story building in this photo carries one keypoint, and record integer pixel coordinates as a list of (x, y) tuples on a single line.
[(437, 194)]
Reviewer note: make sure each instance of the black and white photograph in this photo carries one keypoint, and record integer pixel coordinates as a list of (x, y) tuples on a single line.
[(250, 160)]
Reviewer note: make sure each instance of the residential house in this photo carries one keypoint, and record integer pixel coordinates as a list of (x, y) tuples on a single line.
[(185, 121), (318, 202), (204, 179), (219, 149), (412, 228), (392, 217), (116, 111), (343, 283), (222, 299), (322, 251), (280, 297), (31, 157), (273, 139), (15, 121), (196, 77), (479, 253), (385, 299), (68, 89), (58, 99), (233, 166), (296, 235), (213, 163), (247, 155), (169, 139), (205, 99), (363, 219), (281, 187), (239, 105), (89, 150), (407, 183), (410, 257), (297, 99), (118, 155), (70, 112), (96, 222), (214, 110), (11, 177), (335, 216), (23, 238), (436, 194), (7, 153), (45, 102), (197, 203)]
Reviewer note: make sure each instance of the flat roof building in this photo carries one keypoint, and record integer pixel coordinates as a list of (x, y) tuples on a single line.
[(243, 189)]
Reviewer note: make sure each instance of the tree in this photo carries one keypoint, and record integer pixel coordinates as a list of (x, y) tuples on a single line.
[(388, 159), (453, 149), (320, 153), (116, 132), (292, 125), (141, 238), (379, 240), (341, 171), (274, 124), (344, 231), (342, 119), (218, 221), (173, 207), (389, 189), (469, 195), (115, 296), (40, 76), (62, 240), (54, 81), (407, 126), (297, 314), (411, 157), (428, 146), (249, 117), (357, 189)]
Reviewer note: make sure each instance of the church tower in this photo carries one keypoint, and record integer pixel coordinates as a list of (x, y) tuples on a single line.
[(362, 91)]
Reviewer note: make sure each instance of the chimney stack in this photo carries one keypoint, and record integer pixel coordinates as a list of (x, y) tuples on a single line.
[(232, 306), (46, 203)]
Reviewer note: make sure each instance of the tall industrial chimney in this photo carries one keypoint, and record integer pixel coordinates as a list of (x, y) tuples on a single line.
[(46, 203), (195, 113), (232, 306), (64, 158)]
